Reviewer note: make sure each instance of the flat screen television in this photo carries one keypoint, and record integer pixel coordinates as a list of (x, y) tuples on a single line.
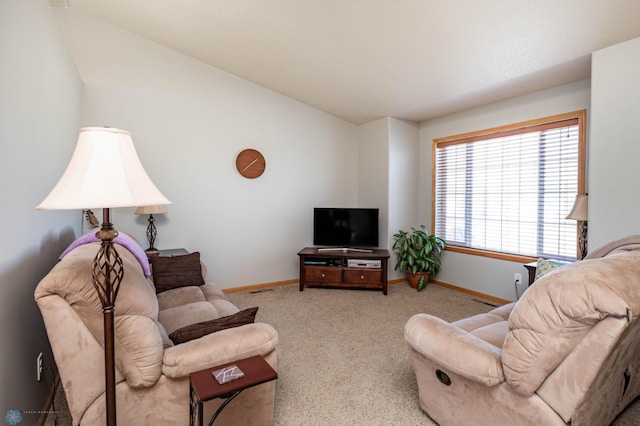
[(345, 227)]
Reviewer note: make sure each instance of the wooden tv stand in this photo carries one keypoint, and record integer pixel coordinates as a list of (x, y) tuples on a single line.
[(320, 267)]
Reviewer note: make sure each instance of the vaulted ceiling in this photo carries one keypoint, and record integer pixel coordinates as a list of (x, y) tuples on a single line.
[(365, 59)]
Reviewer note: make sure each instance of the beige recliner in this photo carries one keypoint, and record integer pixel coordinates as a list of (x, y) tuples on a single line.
[(152, 373), (568, 352)]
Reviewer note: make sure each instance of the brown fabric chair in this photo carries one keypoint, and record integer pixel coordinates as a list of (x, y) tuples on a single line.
[(152, 374), (567, 352)]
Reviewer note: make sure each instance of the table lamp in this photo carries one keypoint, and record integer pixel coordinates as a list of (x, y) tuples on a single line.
[(105, 172), (580, 212), (151, 228)]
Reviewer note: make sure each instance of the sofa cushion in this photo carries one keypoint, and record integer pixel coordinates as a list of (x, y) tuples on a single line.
[(492, 327), (205, 293), (197, 330), (556, 313), (187, 314), (176, 271), (179, 296)]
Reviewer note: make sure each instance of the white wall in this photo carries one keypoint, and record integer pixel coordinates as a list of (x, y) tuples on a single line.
[(404, 166), (482, 274), (388, 176), (39, 116), (615, 146), (189, 120), (373, 169)]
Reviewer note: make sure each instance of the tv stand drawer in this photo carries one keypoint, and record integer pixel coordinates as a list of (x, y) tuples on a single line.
[(362, 276), (323, 275)]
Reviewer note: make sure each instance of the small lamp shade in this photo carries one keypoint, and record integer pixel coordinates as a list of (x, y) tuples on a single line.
[(159, 209), (580, 210), (104, 172)]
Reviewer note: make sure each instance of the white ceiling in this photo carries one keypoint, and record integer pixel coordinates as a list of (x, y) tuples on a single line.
[(365, 59)]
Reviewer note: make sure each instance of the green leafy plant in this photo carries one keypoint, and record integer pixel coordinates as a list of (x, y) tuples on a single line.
[(418, 251)]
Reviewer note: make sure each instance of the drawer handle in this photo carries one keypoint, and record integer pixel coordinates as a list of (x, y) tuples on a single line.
[(323, 275), (362, 277)]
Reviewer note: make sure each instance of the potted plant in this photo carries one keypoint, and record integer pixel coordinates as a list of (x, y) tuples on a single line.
[(418, 254)]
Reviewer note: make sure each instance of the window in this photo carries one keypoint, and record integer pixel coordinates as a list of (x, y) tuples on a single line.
[(505, 192)]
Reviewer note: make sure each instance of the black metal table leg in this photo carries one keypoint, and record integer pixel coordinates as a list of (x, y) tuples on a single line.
[(224, 404)]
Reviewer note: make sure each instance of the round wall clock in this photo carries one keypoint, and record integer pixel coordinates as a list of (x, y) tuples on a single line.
[(250, 163)]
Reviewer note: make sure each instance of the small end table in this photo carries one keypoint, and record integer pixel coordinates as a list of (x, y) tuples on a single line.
[(204, 387), (531, 267), (172, 252)]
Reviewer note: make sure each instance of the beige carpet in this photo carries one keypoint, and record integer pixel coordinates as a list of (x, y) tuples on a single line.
[(343, 356), (343, 359)]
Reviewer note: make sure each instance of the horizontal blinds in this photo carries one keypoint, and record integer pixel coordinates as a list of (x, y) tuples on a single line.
[(510, 192)]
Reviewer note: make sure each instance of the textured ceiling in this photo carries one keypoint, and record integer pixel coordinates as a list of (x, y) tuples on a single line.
[(365, 59)]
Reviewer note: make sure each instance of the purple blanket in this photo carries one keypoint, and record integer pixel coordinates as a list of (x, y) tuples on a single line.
[(123, 239)]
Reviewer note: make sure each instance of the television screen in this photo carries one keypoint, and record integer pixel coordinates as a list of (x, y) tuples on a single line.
[(345, 227)]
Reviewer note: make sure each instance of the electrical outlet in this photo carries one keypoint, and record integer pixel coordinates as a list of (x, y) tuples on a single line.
[(39, 366), (517, 278)]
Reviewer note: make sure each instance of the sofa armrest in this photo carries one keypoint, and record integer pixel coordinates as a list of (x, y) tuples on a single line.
[(219, 348), (455, 349)]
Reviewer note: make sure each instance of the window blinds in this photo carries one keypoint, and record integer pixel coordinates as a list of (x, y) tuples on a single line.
[(510, 191)]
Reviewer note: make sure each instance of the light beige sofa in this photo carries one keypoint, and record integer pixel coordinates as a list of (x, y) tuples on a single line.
[(567, 352), (152, 373)]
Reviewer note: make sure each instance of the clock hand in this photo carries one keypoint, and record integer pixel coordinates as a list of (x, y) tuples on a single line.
[(250, 164)]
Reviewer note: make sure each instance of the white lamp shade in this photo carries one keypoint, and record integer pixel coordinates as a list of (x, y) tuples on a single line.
[(104, 172), (159, 209), (580, 210)]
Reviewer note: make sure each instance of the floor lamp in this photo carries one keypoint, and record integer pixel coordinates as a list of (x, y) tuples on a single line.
[(105, 172)]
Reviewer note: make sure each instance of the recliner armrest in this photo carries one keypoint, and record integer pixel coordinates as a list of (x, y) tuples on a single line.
[(455, 349), (219, 348)]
